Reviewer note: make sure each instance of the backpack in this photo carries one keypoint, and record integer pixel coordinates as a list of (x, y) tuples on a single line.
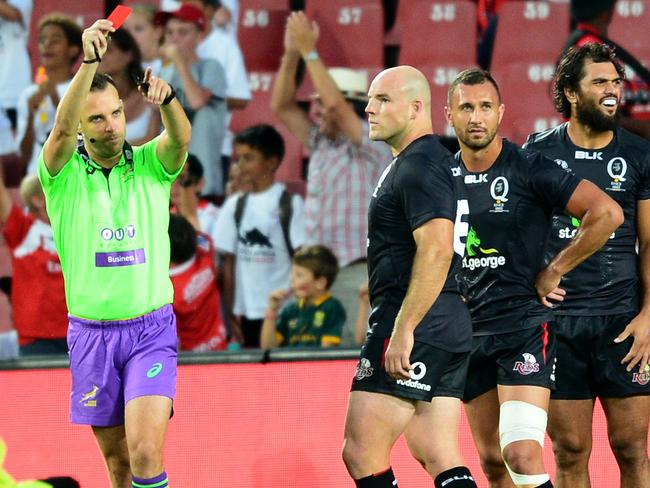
[(286, 212)]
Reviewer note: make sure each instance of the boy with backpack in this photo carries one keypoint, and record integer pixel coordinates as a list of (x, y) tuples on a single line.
[(257, 232)]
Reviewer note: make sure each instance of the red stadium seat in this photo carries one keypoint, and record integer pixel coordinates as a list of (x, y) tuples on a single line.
[(351, 32), (530, 30), (258, 111), (446, 25), (261, 32), (83, 11), (629, 28), (526, 92), (530, 36)]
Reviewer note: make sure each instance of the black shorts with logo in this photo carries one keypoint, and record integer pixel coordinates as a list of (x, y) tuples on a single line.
[(589, 361), (524, 357), (435, 372)]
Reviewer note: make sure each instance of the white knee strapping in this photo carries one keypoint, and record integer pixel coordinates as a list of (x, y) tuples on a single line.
[(528, 479), (521, 421)]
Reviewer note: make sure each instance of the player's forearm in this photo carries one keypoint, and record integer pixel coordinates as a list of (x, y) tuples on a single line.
[(430, 268), (176, 124), (595, 229), (283, 93)]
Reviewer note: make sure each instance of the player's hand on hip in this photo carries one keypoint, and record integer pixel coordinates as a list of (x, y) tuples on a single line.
[(152, 88), (397, 359), (547, 286), (94, 39), (639, 353)]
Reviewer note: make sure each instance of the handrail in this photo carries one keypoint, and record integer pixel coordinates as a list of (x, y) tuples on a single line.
[(187, 358)]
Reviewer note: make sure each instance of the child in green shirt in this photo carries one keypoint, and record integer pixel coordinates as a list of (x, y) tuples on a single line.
[(315, 317)]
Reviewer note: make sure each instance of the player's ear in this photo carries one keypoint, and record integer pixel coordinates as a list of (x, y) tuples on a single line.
[(502, 110), (416, 107), (448, 115), (570, 95)]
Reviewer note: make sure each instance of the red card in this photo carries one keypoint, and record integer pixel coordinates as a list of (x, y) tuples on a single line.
[(119, 15)]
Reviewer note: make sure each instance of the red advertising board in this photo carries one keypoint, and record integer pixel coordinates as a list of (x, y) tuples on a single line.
[(236, 425)]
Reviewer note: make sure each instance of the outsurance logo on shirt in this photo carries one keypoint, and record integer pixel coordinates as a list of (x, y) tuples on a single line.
[(479, 257)]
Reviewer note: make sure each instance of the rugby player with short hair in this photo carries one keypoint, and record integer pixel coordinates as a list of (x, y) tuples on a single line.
[(511, 194), (413, 363), (603, 324)]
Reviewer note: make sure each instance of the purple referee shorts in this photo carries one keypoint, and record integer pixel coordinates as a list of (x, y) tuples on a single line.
[(112, 362)]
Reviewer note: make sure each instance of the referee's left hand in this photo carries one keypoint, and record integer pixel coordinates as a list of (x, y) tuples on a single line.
[(397, 358), (639, 353), (152, 88)]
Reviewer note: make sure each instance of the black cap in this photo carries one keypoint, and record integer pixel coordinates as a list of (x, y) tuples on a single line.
[(583, 10)]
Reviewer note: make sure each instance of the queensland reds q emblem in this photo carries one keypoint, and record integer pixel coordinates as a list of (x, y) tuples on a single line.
[(616, 169), (499, 192)]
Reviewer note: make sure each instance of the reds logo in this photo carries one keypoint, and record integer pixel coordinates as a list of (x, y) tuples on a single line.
[(364, 369), (528, 366), (641, 378)]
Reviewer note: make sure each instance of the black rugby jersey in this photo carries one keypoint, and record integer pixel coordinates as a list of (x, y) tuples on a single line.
[(416, 187), (608, 282), (510, 208)]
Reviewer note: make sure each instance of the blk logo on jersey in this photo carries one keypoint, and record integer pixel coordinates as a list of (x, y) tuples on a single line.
[(616, 169), (480, 257), (474, 179), (528, 366), (592, 155), (499, 192)]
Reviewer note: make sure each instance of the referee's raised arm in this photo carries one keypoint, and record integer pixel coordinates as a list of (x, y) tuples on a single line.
[(62, 140)]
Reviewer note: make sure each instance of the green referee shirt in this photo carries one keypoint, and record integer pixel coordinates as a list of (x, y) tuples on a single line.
[(111, 233), (311, 324)]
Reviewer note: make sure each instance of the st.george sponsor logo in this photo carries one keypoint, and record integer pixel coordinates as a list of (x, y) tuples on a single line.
[(528, 366), (488, 258), (418, 370), (570, 232)]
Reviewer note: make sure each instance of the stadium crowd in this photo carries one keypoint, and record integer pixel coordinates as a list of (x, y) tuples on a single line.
[(268, 219), (230, 197)]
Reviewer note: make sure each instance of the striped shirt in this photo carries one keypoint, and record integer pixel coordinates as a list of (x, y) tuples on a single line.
[(340, 182)]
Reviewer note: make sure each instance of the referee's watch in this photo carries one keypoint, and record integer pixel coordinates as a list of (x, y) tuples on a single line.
[(311, 56)]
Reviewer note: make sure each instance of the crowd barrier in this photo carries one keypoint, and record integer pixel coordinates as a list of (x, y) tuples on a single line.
[(242, 420)]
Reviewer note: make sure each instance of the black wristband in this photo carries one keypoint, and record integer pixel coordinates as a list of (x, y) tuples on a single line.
[(91, 61), (170, 97)]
